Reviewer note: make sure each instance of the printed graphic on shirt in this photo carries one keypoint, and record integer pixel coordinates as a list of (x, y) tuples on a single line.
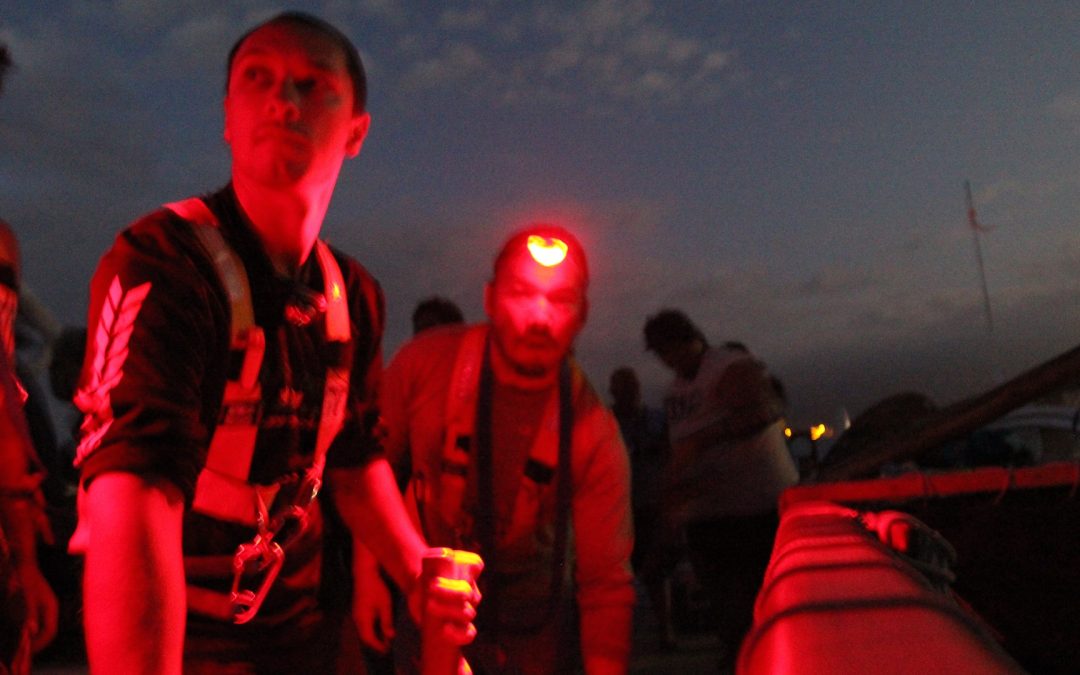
[(680, 407), (108, 354)]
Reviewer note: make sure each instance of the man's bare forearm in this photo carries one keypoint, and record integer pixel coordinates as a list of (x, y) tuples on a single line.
[(134, 581), (370, 504)]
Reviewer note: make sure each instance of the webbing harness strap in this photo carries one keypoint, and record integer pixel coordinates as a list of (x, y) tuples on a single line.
[(450, 476), (336, 389), (485, 517), (337, 309), (222, 490), (230, 269)]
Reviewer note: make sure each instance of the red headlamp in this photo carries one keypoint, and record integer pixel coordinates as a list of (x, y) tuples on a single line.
[(547, 251)]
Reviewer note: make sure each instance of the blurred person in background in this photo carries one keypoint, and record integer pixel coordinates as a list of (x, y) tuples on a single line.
[(730, 462), (28, 606), (435, 311), (644, 430)]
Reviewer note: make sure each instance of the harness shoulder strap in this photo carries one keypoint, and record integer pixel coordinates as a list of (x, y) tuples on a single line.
[(228, 265), (440, 479), (336, 388), (222, 490), (337, 308), (461, 397), (443, 480)]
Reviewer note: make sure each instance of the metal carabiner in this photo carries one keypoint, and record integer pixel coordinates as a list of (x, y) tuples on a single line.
[(267, 557), (264, 554)]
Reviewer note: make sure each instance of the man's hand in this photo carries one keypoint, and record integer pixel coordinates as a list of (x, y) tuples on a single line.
[(447, 603), (22, 520), (41, 606), (372, 605), (368, 500)]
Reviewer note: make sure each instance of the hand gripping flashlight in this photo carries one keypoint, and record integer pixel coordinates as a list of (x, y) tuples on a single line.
[(455, 570)]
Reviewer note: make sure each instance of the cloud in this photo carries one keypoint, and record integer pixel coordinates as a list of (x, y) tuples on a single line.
[(152, 15), (455, 63), (611, 53), (389, 10), (196, 46), (71, 135), (626, 51)]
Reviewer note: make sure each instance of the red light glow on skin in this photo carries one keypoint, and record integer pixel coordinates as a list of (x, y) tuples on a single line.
[(548, 251), (536, 311), (289, 116), (290, 122)]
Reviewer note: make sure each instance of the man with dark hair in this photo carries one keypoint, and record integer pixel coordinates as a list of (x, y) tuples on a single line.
[(232, 357), (353, 65), (670, 326), (435, 311), (729, 463), (514, 454)]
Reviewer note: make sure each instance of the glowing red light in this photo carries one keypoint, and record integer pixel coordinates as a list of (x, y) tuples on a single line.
[(548, 251)]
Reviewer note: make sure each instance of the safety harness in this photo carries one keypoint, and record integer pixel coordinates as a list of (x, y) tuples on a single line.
[(468, 515), (223, 490)]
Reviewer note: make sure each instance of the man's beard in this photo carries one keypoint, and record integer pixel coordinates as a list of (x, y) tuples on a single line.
[(530, 371), (531, 339)]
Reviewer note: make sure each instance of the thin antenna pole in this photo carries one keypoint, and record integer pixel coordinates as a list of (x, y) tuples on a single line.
[(976, 228)]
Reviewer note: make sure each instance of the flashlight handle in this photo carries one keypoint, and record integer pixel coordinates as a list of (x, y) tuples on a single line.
[(439, 656), (451, 570)]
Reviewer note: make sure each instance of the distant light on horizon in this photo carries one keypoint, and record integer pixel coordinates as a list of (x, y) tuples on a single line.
[(815, 432)]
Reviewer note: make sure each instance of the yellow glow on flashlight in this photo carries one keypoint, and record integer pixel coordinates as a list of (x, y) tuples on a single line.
[(548, 251), (453, 585)]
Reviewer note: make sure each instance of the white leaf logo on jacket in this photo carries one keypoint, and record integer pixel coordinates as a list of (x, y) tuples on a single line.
[(110, 351)]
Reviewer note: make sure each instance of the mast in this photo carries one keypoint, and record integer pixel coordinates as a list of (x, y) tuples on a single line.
[(976, 229)]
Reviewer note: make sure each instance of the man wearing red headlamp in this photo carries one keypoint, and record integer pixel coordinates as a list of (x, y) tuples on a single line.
[(514, 455)]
